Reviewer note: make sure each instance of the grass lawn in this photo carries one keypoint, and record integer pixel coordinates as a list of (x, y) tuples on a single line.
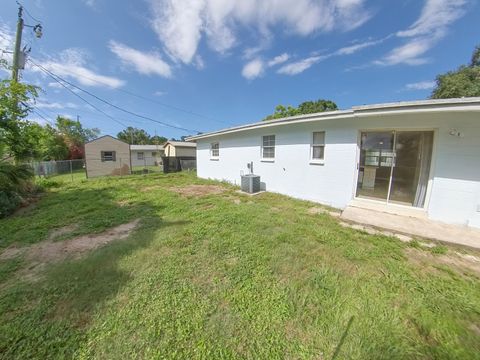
[(222, 275)]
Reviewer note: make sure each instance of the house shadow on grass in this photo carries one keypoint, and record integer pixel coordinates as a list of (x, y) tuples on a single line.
[(49, 318)]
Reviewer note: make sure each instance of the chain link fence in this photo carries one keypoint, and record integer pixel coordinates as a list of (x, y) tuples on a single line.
[(66, 169)]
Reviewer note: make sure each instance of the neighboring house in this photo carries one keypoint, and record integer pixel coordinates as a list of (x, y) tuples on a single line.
[(107, 156), (146, 155), (180, 149), (420, 158)]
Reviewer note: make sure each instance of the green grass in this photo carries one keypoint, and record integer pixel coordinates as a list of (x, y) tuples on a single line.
[(211, 278)]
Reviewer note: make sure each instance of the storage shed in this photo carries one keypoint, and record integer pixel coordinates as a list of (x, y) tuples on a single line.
[(107, 156), (180, 149)]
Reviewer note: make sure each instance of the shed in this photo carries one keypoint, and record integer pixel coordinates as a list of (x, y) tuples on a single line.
[(107, 155), (180, 149)]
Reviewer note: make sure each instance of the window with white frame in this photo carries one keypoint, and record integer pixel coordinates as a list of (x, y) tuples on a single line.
[(215, 149), (318, 146), (268, 147), (140, 156), (108, 155)]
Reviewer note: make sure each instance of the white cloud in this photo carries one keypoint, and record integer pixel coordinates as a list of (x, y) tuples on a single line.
[(424, 34), (71, 63), (55, 105), (181, 25), (422, 85), (90, 3), (159, 93), (301, 65), (352, 49), (144, 63), (280, 59), (253, 69)]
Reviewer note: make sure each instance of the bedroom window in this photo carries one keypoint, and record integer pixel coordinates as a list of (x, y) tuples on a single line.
[(215, 150), (318, 146), (268, 147)]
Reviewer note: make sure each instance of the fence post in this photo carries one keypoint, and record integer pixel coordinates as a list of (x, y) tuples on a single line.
[(121, 172), (71, 169)]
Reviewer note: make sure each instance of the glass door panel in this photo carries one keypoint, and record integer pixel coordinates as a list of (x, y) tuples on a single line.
[(375, 167), (411, 167)]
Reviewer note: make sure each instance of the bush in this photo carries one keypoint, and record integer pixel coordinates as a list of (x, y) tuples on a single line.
[(9, 201), (15, 181)]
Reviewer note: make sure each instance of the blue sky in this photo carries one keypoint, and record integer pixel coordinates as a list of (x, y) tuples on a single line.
[(209, 64)]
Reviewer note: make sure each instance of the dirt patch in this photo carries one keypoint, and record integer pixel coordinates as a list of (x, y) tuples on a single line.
[(49, 251), (198, 190), (460, 264), (56, 233), (151, 188), (319, 210)]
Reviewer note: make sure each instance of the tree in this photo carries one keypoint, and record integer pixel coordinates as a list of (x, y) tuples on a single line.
[(75, 135), (134, 136), (463, 82), (307, 107), (14, 100)]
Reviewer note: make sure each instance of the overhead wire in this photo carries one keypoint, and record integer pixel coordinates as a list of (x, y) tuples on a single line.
[(62, 82), (154, 101)]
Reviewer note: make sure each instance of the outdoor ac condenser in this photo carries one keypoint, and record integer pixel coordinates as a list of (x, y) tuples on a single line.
[(250, 183)]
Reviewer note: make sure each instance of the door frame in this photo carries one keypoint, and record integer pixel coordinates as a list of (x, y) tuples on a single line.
[(430, 173)]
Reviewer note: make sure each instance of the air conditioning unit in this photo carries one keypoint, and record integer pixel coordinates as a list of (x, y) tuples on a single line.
[(250, 183)]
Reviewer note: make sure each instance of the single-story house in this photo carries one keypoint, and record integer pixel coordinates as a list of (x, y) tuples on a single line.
[(419, 157), (146, 155), (107, 155), (180, 149)]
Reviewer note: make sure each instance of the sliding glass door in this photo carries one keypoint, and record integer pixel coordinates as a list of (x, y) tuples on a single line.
[(394, 166)]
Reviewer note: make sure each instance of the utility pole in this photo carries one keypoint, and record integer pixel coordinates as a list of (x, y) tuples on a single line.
[(18, 45), (19, 56)]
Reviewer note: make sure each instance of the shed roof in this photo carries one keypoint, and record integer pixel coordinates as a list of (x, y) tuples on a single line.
[(181, 143)]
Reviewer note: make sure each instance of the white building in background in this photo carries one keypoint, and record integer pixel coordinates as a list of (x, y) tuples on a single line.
[(420, 158), (146, 155)]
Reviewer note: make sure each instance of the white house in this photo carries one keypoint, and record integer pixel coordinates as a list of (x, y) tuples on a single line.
[(146, 155), (420, 157)]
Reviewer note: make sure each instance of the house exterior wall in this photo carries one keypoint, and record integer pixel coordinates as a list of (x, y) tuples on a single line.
[(454, 188), (93, 158), (149, 159)]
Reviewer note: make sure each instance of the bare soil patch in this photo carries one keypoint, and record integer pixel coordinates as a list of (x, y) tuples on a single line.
[(458, 263), (56, 233), (49, 251), (319, 210), (198, 190)]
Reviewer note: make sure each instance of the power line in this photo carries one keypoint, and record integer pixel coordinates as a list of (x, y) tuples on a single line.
[(154, 101), (62, 81), (28, 13), (80, 97)]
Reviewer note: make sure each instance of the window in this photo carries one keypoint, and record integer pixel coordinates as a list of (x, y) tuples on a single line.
[(140, 156), (318, 146), (108, 156), (215, 149), (154, 154), (268, 147)]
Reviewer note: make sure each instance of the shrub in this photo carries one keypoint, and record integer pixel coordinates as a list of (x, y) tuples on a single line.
[(9, 201)]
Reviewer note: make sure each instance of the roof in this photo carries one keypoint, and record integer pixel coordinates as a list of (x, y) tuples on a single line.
[(181, 144), (104, 136), (358, 111), (146, 147)]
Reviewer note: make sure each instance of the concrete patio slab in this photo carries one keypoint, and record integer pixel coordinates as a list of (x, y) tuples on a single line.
[(414, 226)]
